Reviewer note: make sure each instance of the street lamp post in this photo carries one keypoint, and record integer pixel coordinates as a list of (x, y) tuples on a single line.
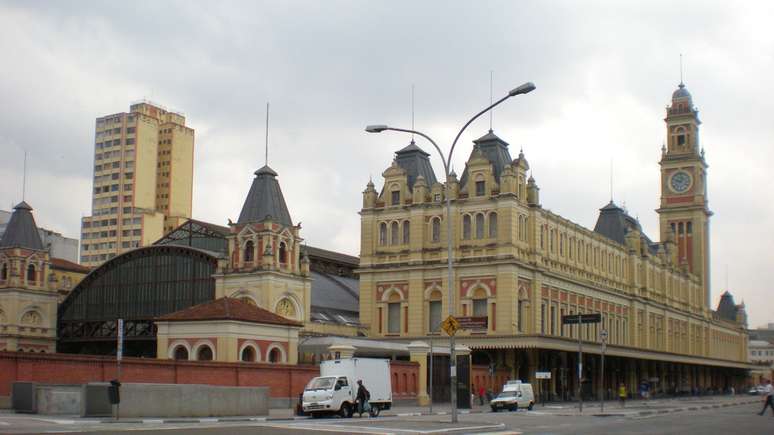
[(446, 159)]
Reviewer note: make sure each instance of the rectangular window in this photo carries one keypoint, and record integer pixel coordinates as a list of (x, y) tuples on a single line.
[(130, 130), (393, 318), (395, 198), (479, 308), (480, 188), (543, 318), (435, 316), (553, 320)]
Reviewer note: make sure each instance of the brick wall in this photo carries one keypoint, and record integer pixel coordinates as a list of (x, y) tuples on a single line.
[(79, 369), (282, 380), (480, 377)]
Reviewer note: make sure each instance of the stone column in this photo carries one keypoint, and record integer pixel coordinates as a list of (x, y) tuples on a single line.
[(418, 352), (341, 351)]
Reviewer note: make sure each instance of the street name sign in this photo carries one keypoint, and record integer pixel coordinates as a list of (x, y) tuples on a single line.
[(574, 319), (542, 375), (471, 322)]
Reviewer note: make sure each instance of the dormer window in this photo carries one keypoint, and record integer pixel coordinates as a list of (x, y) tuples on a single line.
[(31, 273), (480, 188), (437, 197), (249, 251), (283, 253), (395, 198)]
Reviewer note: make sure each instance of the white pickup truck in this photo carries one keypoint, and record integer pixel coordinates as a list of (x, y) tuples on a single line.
[(335, 390)]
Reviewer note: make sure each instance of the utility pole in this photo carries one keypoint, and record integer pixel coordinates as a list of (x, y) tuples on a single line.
[(580, 364), (603, 336)]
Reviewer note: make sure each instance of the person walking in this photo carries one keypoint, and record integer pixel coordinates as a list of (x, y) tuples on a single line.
[(768, 399), (622, 394), (481, 392), (362, 399)]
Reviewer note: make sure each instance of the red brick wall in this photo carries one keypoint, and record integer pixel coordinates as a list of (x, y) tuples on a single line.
[(79, 369), (480, 377), (405, 379)]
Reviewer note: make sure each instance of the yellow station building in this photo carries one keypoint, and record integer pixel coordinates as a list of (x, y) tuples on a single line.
[(523, 267)]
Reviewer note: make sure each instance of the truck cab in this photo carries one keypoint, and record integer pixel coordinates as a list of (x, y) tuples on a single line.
[(329, 395)]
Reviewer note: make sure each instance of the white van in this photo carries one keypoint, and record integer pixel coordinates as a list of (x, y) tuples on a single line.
[(515, 395), (335, 390)]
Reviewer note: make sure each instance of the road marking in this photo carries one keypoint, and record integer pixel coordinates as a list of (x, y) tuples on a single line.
[(2, 423), (153, 421)]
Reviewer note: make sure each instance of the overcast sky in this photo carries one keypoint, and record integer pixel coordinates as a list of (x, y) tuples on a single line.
[(604, 72)]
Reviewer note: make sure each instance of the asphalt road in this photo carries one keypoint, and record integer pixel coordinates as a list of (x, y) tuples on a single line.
[(731, 420)]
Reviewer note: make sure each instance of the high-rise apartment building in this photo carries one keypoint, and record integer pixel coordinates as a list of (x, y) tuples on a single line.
[(143, 180)]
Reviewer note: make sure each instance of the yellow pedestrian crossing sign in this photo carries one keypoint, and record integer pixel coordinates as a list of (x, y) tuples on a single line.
[(450, 325)]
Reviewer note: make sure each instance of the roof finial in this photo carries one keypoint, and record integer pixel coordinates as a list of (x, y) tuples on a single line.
[(412, 112), (266, 154), (491, 112), (24, 178), (681, 71)]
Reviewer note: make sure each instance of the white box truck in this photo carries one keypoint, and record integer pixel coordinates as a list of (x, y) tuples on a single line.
[(335, 390)]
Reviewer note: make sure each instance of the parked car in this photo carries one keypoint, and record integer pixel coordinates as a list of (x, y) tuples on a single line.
[(760, 389), (514, 395)]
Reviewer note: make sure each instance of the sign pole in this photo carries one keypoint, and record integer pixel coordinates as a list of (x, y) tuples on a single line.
[(580, 365), (119, 356), (431, 374), (604, 345)]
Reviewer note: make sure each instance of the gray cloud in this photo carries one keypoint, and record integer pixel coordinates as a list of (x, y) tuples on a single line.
[(604, 71)]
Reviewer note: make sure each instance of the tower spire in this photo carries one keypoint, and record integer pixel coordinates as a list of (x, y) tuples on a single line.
[(681, 70), (491, 112), (266, 145)]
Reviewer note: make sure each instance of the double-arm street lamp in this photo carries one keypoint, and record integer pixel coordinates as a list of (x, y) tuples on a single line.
[(523, 89)]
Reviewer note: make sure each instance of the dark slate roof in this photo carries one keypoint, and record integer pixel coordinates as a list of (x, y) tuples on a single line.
[(614, 223), (334, 292), (495, 150), (265, 200), (415, 161), (227, 309), (726, 307), (349, 260), (21, 231), (681, 92)]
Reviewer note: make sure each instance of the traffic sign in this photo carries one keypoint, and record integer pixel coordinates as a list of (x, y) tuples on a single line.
[(574, 319), (542, 375), (470, 322), (603, 335), (450, 325)]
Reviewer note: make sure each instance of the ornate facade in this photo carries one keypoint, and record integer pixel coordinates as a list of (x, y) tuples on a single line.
[(523, 268)]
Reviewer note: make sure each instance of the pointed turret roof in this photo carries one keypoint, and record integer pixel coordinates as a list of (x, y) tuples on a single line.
[(415, 161), (614, 223), (21, 231), (495, 150), (265, 200)]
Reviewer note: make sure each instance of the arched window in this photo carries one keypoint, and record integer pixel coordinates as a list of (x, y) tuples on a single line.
[(394, 233), (382, 233), (4, 272), (283, 253), (479, 303), (434, 312), (204, 353), (31, 273), (180, 353), (249, 251), (275, 356), (406, 232), (466, 227), (480, 226), (248, 354), (492, 225), (435, 235)]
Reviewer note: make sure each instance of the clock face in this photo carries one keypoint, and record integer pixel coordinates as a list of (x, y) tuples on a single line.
[(680, 181), (286, 308)]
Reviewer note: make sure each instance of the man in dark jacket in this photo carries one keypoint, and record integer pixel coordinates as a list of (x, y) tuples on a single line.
[(362, 397)]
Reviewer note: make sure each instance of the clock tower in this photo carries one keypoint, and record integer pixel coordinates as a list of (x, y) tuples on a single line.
[(684, 209)]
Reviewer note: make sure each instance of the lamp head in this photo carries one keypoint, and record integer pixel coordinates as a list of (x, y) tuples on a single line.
[(523, 89), (377, 128)]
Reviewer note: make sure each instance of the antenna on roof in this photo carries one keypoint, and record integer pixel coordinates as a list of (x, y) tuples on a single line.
[(412, 111), (611, 179), (681, 68), (24, 178), (726, 276), (491, 112), (266, 154)]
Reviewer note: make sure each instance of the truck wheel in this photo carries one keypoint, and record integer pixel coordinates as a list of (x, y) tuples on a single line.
[(514, 407), (374, 412), (494, 409), (345, 411), (530, 406)]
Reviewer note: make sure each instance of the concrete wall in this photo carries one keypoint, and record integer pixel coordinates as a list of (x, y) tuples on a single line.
[(168, 400), (58, 399)]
